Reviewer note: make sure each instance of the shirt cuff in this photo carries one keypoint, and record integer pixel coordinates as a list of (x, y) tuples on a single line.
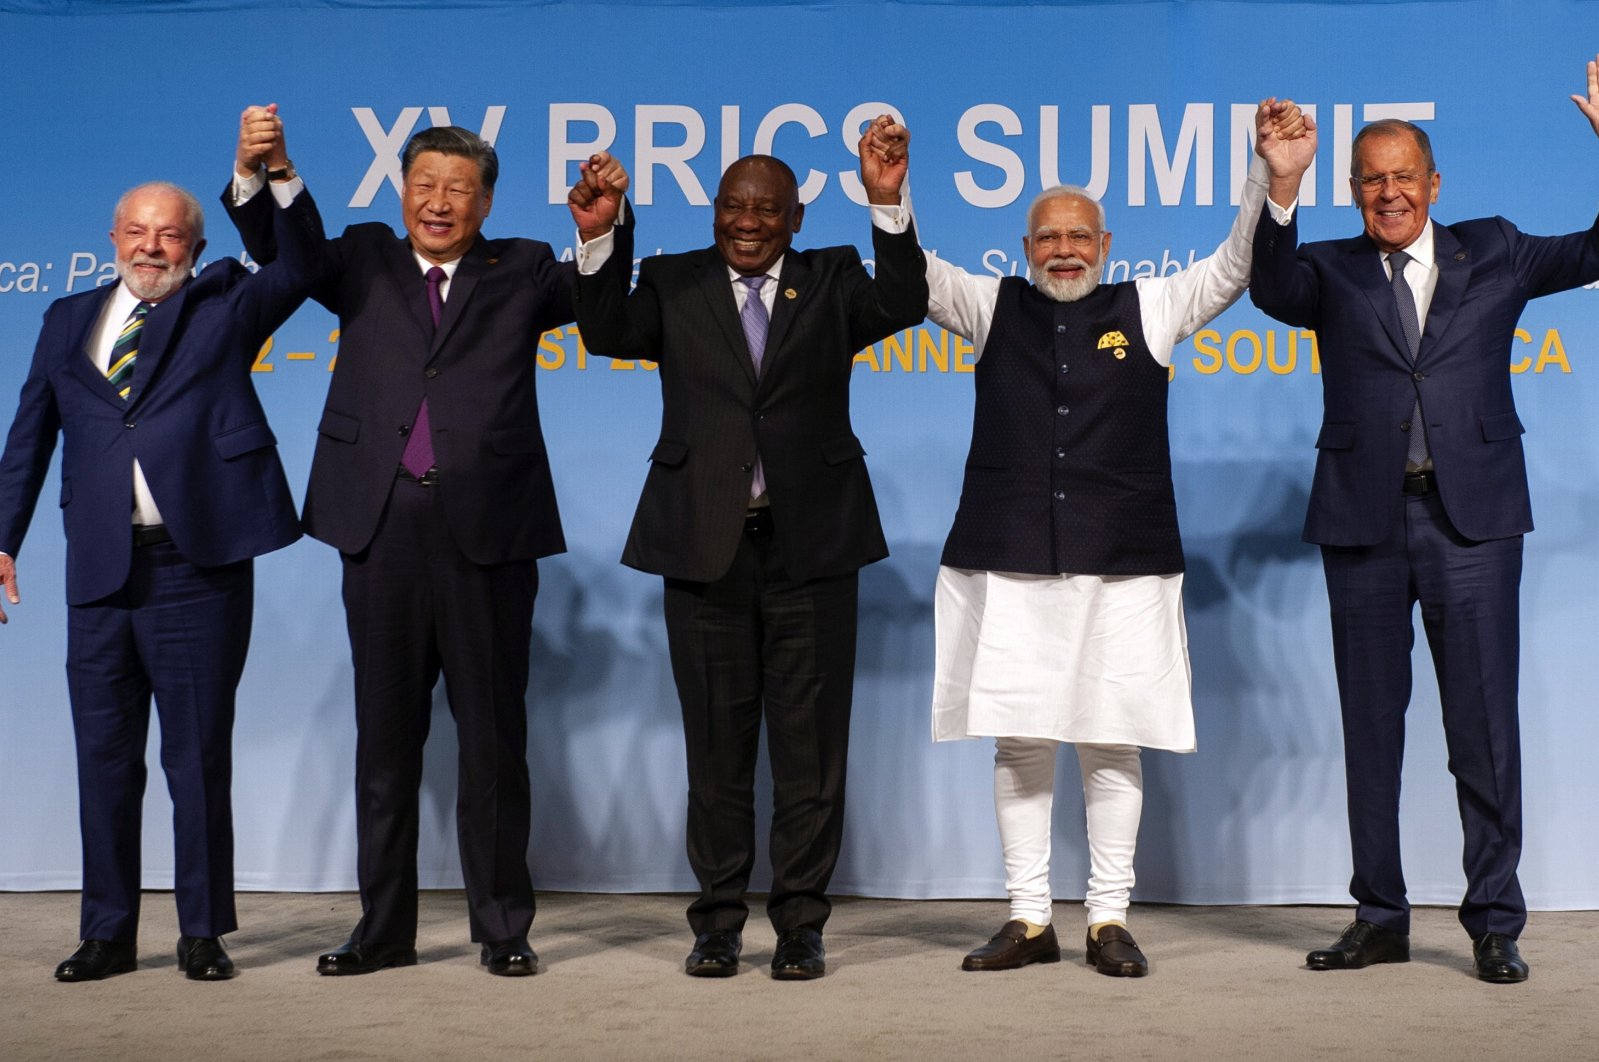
[(1282, 215), (591, 256), (893, 218), (245, 188), (285, 191)]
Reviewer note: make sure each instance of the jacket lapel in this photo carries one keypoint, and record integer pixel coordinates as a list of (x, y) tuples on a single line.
[(468, 272), (1366, 266), (793, 292), (80, 359), (412, 288), (159, 325), (1454, 271), (718, 292)]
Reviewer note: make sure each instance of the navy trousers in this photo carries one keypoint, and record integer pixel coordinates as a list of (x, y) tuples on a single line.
[(179, 633), (1469, 594)]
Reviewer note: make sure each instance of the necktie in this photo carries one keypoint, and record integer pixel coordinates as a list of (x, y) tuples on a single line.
[(753, 318), (418, 455), (126, 351), (1416, 452)]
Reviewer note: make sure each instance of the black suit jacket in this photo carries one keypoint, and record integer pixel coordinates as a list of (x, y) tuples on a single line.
[(479, 373), (192, 419), (716, 415), (1487, 270)]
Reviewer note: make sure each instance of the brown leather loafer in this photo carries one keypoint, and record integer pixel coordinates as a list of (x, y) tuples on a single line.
[(1009, 949), (1361, 944), (1115, 953)]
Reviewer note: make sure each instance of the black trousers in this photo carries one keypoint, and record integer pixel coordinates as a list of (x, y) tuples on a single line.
[(415, 606), (757, 645)]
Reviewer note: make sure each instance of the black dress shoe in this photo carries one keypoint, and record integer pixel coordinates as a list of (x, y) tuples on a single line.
[(715, 954), (799, 956), (353, 958), (1010, 949), (512, 957), (1498, 959), (203, 959), (1115, 953), (1361, 944), (95, 959)]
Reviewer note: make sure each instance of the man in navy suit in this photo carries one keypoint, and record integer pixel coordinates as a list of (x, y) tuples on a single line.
[(170, 485), (1420, 494), (431, 479)]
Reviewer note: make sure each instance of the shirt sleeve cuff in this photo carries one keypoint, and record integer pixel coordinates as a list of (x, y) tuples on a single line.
[(893, 218)]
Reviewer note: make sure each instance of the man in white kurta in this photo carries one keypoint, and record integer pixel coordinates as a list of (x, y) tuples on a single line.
[(1059, 600)]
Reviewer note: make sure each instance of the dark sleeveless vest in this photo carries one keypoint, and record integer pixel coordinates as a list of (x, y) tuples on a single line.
[(1069, 470)]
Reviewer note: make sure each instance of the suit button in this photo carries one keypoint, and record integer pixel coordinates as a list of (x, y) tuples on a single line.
[(1060, 495), (1062, 410), (1060, 451), (1065, 368), (405, 429), (1418, 376), (1060, 328), (1404, 425), (130, 424), (431, 373), (746, 467)]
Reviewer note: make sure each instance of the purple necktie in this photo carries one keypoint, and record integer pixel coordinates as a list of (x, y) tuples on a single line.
[(418, 456), (753, 318)]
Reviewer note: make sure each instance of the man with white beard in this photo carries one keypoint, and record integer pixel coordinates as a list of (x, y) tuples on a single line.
[(1059, 601)]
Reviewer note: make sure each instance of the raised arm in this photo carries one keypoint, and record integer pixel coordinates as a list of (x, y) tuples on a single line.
[(1280, 283), (896, 298), (1589, 104)]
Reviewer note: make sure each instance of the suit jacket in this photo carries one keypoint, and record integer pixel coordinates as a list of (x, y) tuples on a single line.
[(1487, 270), (716, 415), (192, 419), (478, 371)]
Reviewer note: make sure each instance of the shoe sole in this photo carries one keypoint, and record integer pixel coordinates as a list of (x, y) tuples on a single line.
[(334, 970), (1322, 966), (112, 972), (797, 975), (981, 967)]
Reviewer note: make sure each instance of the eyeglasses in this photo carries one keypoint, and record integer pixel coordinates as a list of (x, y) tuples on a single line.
[(1405, 182), (1081, 239)]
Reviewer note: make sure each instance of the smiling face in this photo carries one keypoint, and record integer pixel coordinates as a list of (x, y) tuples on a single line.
[(444, 204), (1394, 208), (156, 242), (1066, 248), (757, 214)]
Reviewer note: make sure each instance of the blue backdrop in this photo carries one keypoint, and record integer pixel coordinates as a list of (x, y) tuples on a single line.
[(1146, 103)]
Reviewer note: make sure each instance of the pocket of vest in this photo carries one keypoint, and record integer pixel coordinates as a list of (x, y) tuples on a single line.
[(1336, 437)]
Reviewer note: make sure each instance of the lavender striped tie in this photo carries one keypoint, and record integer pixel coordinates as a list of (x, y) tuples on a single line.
[(753, 318)]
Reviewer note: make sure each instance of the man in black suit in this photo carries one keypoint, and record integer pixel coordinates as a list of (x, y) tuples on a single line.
[(170, 486), (757, 511), (1420, 494), (430, 477)]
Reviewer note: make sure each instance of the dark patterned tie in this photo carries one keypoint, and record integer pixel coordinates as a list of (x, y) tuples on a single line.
[(418, 455), (753, 318), (126, 351), (1416, 452)]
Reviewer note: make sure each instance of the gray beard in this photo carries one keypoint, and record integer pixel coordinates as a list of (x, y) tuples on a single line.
[(163, 286), (1065, 290)]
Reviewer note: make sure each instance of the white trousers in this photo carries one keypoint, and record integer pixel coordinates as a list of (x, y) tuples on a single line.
[(1024, 797)]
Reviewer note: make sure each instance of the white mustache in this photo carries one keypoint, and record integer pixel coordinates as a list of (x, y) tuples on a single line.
[(140, 258), (1072, 262)]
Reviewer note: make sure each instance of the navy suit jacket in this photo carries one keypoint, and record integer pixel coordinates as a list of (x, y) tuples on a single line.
[(1487, 271), (192, 420), (478, 370), (716, 414)]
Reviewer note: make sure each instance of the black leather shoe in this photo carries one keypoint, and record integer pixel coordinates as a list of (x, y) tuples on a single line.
[(1115, 953), (353, 958), (1361, 944), (513, 957), (799, 956), (1009, 949), (203, 959), (715, 954), (1498, 959), (95, 959)]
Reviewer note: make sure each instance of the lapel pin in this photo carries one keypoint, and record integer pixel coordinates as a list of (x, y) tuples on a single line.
[(1460, 256), (790, 293), (493, 261)]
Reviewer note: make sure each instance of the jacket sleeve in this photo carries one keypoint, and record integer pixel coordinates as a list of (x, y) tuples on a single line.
[(896, 298), (29, 447), (1282, 282), (615, 323)]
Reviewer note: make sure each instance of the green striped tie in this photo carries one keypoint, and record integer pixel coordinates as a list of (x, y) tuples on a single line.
[(126, 351)]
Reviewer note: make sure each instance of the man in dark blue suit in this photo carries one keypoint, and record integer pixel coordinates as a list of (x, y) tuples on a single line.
[(1420, 494), (170, 485)]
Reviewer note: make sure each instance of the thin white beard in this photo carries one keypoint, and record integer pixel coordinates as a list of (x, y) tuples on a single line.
[(170, 281)]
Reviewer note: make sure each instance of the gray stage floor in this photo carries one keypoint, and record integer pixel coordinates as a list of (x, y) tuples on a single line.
[(1227, 983)]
